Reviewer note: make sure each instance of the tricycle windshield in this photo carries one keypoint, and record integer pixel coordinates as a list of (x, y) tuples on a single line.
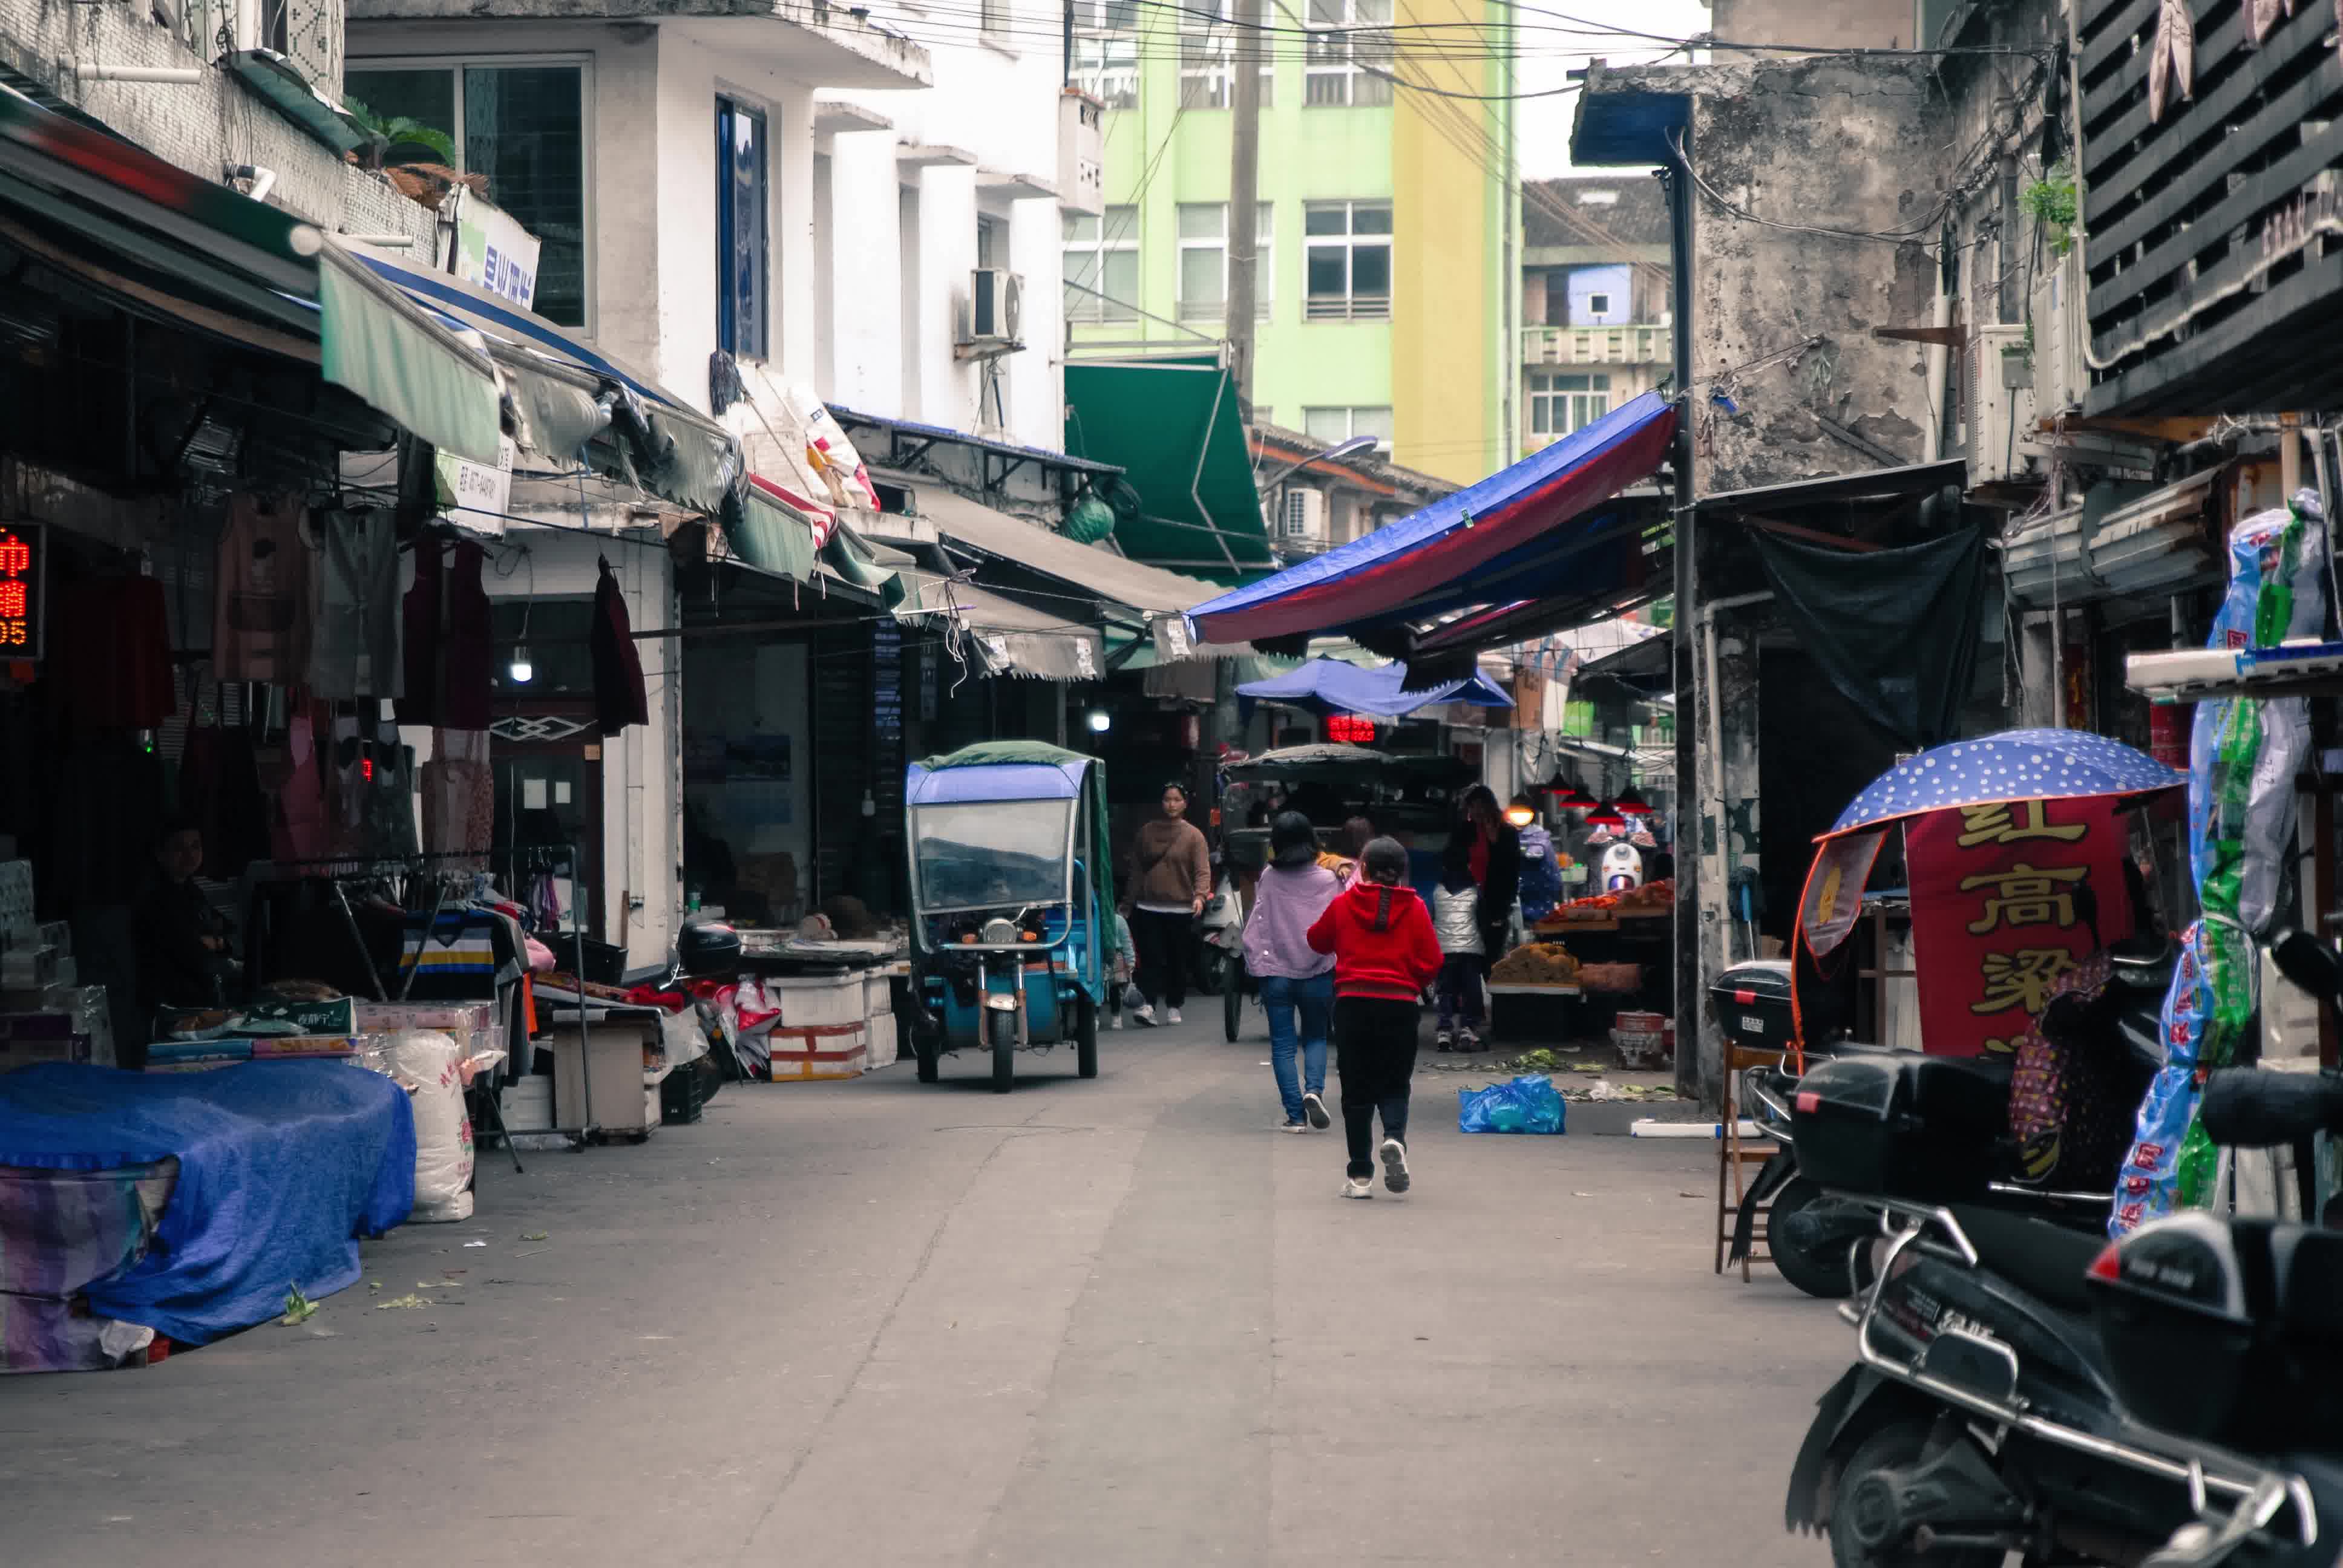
[(985, 855)]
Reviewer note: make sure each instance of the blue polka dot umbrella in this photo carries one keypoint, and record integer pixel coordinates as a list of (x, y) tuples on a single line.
[(2015, 765)]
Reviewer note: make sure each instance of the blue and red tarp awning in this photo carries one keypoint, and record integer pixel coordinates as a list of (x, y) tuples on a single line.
[(1338, 688), (1524, 533)]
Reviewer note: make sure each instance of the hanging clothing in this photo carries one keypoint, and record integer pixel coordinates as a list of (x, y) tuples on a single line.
[(449, 644), (460, 793), (301, 830), (260, 598), (354, 644), (113, 649), (389, 814), (219, 789), (618, 696)]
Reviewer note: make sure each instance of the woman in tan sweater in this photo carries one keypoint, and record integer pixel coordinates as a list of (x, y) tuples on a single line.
[(1172, 876)]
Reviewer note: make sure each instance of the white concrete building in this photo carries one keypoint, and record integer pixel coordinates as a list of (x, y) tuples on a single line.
[(802, 197)]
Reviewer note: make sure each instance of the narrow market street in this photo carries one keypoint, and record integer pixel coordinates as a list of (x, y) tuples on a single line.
[(1112, 1322)]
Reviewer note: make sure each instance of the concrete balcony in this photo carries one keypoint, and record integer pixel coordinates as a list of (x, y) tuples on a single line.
[(1597, 344), (810, 40)]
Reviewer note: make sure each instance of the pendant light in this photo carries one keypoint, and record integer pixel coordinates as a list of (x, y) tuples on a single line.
[(1630, 801), (1567, 794), (1520, 813), (1607, 816)]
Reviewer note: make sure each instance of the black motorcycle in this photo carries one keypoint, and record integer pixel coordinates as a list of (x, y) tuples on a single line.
[(1823, 1242), (2022, 1386)]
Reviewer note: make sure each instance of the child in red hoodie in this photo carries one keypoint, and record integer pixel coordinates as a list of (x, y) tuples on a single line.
[(1384, 955)]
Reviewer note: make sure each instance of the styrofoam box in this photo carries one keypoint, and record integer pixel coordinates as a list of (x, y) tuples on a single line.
[(884, 1042), (815, 1001), (820, 1051), (878, 993)]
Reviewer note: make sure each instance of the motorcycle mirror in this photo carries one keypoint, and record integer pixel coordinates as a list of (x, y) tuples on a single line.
[(2310, 963)]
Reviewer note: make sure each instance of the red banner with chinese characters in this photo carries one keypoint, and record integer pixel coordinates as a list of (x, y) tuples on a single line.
[(1999, 912)]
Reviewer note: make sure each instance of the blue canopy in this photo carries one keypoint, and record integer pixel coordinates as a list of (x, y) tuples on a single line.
[(2015, 765), (1527, 532), (1339, 687)]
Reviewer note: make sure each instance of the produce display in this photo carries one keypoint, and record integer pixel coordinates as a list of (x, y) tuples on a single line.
[(1535, 963), (1649, 898)]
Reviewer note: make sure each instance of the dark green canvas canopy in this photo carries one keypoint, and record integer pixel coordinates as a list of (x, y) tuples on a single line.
[(1173, 426)]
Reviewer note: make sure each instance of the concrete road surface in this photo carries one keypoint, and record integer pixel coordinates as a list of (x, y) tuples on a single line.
[(1113, 1323)]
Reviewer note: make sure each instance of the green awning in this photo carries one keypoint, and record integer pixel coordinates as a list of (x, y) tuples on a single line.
[(377, 344), (1173, 426), (283, 86), (772, 539), (854, 558)]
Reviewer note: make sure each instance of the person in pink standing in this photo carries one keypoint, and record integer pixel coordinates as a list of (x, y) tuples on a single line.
[(1296, 982)]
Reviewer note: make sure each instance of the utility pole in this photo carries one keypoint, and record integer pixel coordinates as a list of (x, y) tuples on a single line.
[(1244, 199)]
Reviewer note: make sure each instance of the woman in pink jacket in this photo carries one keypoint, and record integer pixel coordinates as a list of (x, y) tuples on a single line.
[(1297, 984)]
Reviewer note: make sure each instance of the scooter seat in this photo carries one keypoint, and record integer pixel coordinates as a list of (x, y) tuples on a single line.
[(2045, 1261)]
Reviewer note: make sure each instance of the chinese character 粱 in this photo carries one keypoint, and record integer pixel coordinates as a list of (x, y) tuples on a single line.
[(2022, 979), (1992, 824), (2025, 897)]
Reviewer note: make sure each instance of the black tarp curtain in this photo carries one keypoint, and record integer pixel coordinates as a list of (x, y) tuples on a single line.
[(1895, 630)]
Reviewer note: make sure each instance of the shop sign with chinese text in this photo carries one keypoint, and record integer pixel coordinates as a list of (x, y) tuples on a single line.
[(24, 591), (1999, 912), (495, 252), (476, 495)]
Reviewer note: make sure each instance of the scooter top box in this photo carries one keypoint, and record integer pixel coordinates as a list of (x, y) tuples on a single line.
[(1922, 1128)]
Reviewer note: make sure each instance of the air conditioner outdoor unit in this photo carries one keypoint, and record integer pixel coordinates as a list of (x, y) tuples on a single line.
[(2061, 378), (2000, 417), (996, 307), (1305, 515)]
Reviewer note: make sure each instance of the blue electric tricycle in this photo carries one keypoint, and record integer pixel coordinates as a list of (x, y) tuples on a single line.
[(1011, 904)]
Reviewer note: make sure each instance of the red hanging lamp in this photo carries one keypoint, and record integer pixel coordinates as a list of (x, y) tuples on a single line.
[(1630, 801), (1567, 794), (1607, 816)]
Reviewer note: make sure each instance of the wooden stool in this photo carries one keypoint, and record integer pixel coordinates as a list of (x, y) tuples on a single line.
[(1735, 1153)]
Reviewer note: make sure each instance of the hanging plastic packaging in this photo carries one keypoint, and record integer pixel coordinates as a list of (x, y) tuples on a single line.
[(2243, 758)]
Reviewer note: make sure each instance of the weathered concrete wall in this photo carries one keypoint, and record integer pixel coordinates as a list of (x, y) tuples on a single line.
[(1813, 145), (1833, 24), (202, 128)]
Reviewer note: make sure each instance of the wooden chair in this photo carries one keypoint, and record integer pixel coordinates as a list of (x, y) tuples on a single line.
[(1735, 1154)]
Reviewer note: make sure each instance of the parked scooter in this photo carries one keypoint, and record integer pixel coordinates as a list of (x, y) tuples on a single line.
[(1990, 1412), (1823, 1243)]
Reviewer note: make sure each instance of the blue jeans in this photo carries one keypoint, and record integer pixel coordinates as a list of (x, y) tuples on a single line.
[(1312, 1001)]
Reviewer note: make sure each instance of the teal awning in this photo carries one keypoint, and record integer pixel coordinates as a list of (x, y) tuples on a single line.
[(149, 219), (1174, 428), (772, 539)]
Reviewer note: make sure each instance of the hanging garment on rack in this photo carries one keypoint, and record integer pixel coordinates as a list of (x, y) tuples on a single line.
[(354, 644), (260, 600), (460, 793), (618, 696), (300, 830), (450, 645), (456, 961), (389, 817), (219, 789), (113, 652)]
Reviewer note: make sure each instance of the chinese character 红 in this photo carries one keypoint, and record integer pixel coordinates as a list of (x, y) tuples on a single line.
[(2025, 897), (1992, 824), (2022, 979)]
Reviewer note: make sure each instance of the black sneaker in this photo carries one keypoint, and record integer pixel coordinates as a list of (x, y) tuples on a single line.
[(1313, 1105)]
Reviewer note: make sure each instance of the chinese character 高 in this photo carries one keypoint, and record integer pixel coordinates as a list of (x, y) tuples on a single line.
[(2026, 897)]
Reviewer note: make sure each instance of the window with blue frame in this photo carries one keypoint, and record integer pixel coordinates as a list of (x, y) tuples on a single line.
[(742, 265)]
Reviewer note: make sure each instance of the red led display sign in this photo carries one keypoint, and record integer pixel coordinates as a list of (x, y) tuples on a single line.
[(1355, 729), (24, 591)]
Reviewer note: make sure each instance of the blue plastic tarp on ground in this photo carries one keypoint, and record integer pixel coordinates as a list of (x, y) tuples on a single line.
[(1340, 687), (282, 1166)]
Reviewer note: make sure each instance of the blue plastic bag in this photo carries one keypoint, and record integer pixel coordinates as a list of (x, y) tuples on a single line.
[(1530, 1104)]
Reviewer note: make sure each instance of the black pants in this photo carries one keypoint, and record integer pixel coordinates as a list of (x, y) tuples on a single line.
[(1375, 1050), (1163, 943)]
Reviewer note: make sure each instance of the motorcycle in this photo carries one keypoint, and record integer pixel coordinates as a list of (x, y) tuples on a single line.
[(2021, 1386), (1823, 1242)]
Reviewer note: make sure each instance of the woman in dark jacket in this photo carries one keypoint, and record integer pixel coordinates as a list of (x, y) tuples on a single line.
[(1493, 851)]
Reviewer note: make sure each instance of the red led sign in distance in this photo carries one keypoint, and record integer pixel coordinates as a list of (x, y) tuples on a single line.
[(1351, 728), (22, 589)]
